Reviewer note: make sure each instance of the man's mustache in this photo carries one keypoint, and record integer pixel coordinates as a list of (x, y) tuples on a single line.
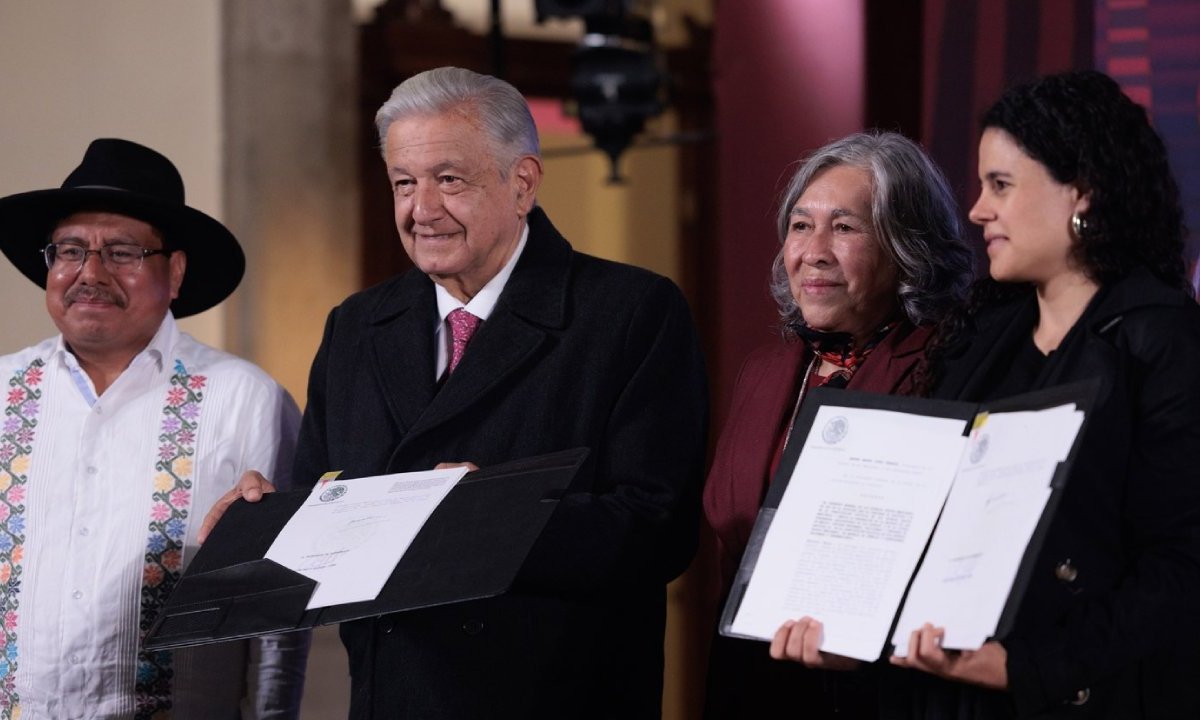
[(87, 293)]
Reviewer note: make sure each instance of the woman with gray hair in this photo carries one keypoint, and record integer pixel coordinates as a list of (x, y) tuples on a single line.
[(871, 258)]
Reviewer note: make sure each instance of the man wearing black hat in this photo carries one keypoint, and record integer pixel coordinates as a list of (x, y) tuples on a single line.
[(115, 434)]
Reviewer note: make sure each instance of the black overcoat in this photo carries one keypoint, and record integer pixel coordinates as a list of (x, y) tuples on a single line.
[(1108, 626), (578, 352)]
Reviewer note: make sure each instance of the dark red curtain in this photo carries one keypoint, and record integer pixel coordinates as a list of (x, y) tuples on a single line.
[(1152, 47)]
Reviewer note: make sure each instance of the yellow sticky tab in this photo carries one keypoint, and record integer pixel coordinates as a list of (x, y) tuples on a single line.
[(980, 420), (331, 475)]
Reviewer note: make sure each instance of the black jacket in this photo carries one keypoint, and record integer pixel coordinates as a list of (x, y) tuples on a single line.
[(578, 352), (1108, 625)]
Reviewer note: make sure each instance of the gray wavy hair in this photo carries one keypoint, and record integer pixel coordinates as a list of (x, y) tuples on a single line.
[(499, 109), (913, 214)]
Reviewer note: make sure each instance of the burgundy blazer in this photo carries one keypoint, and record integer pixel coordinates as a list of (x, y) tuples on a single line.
[(763, 399)]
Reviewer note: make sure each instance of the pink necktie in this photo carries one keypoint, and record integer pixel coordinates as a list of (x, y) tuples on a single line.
[(462, 326)]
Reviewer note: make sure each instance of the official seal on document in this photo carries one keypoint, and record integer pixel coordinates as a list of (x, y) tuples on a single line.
[(835, 430), (333, 493)]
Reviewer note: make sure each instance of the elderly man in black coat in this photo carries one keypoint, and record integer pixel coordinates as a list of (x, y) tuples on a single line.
[(559, 350)]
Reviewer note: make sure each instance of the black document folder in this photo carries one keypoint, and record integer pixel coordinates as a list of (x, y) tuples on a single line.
[(472, 547), (1081, 395)]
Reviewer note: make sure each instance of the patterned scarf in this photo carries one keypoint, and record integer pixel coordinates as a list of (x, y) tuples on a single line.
[(837, 348)]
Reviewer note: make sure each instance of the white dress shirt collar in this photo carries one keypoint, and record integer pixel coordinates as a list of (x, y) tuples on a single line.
[(484, 302), (481, 306), (160, 347)]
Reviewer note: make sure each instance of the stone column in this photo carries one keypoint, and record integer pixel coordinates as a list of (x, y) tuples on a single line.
[(290, 187)]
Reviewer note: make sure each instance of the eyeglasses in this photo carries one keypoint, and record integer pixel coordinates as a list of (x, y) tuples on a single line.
[(117, 258)]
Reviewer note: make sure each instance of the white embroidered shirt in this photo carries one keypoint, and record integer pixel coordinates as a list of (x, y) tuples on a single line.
[(97, 494)]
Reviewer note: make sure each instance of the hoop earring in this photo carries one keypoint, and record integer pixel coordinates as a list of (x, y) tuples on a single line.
[(1078, 225)]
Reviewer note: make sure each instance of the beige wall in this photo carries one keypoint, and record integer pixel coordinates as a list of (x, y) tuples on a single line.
[(144, 70), (291, 183), (635, 221)]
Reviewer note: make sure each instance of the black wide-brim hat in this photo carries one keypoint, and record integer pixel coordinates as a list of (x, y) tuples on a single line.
[(122, 177)]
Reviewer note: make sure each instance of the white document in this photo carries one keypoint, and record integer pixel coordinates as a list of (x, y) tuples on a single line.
[(998, 498), (848, 533), (349, 534)]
